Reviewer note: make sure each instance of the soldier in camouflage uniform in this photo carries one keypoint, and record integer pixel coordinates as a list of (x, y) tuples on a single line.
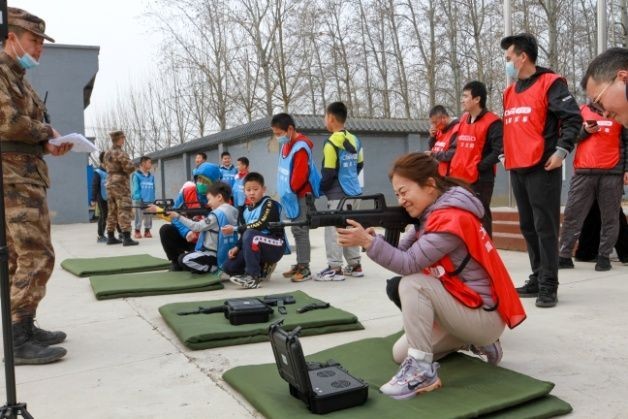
[(24, 140), (119, 168)]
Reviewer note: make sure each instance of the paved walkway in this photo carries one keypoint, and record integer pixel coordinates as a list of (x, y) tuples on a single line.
[(124, 362)]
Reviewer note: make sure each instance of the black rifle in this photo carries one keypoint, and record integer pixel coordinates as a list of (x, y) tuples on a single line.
[(393, 219), (280, 301), (204, 310), (167, 205)]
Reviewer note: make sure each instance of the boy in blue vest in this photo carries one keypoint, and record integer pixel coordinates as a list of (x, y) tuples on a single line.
[(212, 245), (227, 169), (239, 198), (343, 160), (297, 176), (259, 249), (143, 193)]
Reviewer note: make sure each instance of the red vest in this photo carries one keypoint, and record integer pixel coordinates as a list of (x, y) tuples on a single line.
[(601, 149), (469, 145), (467, 227), (524, 120), (443, 142)]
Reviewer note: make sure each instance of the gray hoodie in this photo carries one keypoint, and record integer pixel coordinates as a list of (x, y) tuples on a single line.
[(412, 255), (210, 224)]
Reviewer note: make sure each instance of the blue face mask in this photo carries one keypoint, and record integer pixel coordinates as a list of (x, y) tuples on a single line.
[(511, 71), (283, 139), (26, 61)]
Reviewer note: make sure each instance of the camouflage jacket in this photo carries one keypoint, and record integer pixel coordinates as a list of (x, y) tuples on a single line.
[(21, 122), (118, 166)]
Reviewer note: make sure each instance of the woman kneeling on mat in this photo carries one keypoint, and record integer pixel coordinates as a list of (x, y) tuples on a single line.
[(455, 291)]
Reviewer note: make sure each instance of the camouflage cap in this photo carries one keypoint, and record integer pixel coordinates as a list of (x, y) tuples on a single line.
[(25, 20), (116, 134)]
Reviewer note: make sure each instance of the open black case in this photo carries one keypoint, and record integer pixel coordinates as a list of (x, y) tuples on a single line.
[(323, 387)]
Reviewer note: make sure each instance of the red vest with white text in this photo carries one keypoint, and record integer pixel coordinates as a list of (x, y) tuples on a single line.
[(524, 120), (443, 142), (469, 146), (468, 228), (601, 149)]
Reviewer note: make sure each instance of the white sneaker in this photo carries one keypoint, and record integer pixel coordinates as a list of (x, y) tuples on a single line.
[(245, 281), (414, 377), (330, 274)]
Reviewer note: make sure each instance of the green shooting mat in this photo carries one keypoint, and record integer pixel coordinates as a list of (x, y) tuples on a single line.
[(116, 264), (471, 388), (152, 283), (203, 331)]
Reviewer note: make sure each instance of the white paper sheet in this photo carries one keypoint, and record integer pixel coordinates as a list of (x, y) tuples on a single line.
[(81, 144)]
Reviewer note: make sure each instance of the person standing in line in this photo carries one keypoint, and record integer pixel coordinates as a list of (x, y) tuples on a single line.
[(239, 197), (541, 123), (99, 197), (443, 132), (478, 147), (227, 169), (343, 159), (199, 159), (119, 167), (143, 194), (24, 136), (297, 176)]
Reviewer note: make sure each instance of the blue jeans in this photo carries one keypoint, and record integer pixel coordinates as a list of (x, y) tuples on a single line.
[(257, 248)]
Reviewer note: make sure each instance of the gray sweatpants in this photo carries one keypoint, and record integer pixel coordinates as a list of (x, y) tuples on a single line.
[(332, 248), (302, 235), (583, 191), (437, 324), (141, 217)]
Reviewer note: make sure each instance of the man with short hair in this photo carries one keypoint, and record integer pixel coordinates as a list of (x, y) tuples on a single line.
[(606, 84), (24, 136), (227, 169), (541, 123), (478, 147), (442, 143)]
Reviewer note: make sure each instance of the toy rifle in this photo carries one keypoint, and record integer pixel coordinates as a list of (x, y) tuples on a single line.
[(393, 219), (167, 205)]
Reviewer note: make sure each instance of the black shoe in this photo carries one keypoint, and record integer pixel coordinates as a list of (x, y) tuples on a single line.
[(101, 239), (547, 297), (47, 338), (565, 263), (530, 289), (603, 264), (128, 241), (175, 267), (27, 351), (111, 238)]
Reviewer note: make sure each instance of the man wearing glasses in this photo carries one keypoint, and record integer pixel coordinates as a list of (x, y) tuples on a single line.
[(541, 123), (606, 84)]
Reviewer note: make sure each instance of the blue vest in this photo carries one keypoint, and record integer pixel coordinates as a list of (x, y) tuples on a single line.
[(146, 185), (224, 242), (228, 174), (289, 198), (238, 191), (251, 216), (103, 182), (348, 169)]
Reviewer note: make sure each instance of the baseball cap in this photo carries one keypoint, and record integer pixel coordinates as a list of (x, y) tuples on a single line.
[(30, 22)]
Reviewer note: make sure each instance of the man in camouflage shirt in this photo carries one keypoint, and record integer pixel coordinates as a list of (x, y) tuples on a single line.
[(24, 140), (119, 168)]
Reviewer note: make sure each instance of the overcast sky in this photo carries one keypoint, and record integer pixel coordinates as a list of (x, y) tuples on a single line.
[(118, 27)]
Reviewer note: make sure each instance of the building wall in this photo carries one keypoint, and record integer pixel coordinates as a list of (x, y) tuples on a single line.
[(64, 72)]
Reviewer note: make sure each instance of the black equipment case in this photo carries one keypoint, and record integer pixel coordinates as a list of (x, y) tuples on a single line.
[(323, 387), (246, 310)]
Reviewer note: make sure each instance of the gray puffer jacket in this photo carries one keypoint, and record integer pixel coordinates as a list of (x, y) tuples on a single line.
[(413, 255)]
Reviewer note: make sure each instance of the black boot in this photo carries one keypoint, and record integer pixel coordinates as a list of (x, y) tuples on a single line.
[(47, 338), (27, 351), (127, 240), (111, 238), (603, 264), (548, 296), (530, 289), (565, 263)]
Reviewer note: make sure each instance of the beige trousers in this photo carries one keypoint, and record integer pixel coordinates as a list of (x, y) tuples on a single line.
[(435, 323)]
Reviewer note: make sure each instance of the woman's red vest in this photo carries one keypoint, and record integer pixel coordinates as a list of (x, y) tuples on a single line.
[(524, 121), (601, 149), (469, 146), (443, 142), (468, 228)]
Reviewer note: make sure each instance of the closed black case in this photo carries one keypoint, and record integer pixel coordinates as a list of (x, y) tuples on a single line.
[(323, 387), (247, 310)]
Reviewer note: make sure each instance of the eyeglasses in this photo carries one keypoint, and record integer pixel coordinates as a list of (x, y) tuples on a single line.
[(595, 104)]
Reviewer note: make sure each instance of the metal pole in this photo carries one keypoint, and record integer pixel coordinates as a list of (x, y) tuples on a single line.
[(602, 27)]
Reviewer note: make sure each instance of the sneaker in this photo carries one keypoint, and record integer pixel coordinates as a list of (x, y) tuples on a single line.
[(353, 270), (137, 234), (147, 234), (547, 297), (292, 271), (245, 281), (603, 264), (330, 274), (267, 271), (565, 263), (492, 352), (101, 239), (414, 377), (530, 289), (302, 273)]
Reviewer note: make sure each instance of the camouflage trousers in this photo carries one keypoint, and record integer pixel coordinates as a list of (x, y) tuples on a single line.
[(120, 211), (31, 255)]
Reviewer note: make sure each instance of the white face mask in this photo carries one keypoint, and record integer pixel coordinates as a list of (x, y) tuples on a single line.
[(26, 61)]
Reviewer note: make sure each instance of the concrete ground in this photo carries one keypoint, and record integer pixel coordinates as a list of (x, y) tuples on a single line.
[(124, 362)]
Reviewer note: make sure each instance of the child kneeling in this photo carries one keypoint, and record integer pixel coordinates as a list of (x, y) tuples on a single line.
[(259, 249)]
